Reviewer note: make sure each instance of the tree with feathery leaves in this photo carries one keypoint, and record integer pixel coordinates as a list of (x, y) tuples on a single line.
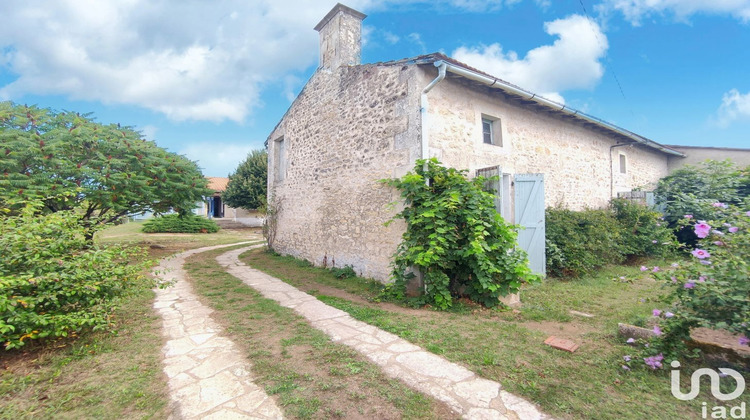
[(68, 161)]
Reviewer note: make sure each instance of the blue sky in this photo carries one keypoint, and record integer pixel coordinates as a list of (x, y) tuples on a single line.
[(210, 80)]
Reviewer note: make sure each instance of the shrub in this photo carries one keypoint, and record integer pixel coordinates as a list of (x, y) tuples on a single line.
[(174, 223), (711, 289), (580, 241), (346, 272), (455, 238), (644, 233), (692, 190), (54, 283)]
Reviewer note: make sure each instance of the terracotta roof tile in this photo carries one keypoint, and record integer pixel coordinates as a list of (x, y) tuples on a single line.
[(217, 183)]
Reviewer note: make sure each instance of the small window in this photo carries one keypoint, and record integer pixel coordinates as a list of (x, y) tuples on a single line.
[(623, 164), (280, 159), (491, 131), (487, 130)]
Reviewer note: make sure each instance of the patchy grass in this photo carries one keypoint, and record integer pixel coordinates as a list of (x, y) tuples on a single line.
[(312, 376), (507, 346), (102, 375), (130, 233)]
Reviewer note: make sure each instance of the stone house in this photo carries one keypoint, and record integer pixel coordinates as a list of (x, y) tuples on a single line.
[(353, 124)]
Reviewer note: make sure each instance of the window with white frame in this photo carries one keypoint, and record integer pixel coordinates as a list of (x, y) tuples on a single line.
[(492, 132), (623, 164)]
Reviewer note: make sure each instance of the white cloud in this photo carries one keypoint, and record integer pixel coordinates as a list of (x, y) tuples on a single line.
[(571, 62), (149, 132), (291, 87), (195, 60), (417, 39), (217, 158), (636, 10), (734, 106), (390, 38)]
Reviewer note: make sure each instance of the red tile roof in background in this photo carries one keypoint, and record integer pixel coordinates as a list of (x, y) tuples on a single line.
[(216, 183)]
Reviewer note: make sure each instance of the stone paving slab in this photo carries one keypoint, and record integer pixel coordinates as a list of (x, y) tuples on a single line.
[(209, 378), (467, 394)]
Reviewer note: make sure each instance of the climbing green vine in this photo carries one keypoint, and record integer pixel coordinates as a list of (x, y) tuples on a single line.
[(455, 239)]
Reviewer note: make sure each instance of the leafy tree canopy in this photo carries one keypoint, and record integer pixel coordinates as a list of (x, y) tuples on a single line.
[(248, 184), (70, 162)]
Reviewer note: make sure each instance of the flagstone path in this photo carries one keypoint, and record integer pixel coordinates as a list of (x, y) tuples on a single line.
[(209, 378), (466, 393)]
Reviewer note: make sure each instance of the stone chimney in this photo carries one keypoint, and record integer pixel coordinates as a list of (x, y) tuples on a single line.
[(340, 37)]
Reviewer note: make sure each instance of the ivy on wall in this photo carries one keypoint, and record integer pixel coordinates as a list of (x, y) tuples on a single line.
[(455, 238)]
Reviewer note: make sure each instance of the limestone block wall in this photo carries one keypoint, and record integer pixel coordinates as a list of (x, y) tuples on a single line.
[(574, 159), (346, 130), (695, 155)]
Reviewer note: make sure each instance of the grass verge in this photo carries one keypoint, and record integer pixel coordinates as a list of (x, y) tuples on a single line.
[(312, 376), (100, 375), (508, 346)]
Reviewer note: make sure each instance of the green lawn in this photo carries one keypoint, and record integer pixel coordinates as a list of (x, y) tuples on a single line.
[(102, 375), (507, 346)]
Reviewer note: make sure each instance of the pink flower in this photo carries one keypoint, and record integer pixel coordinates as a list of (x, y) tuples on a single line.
[(702, 279), (656, 312), (669, 314), (722, 205), (674, 279), (700, 253), (657, 330), (644, 268), (631, 340), (718, 243), (674, 265), (744, 341), (689, 285), (626, 358), (747, 214), (656, 269), (702, 229), (733, 229), (654, 241), (654, 361), (625, 367), (690, 216)]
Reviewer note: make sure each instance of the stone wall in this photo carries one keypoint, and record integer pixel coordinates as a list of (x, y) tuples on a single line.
[(346, 130), (574, 159), (695, 155), (350, 127)]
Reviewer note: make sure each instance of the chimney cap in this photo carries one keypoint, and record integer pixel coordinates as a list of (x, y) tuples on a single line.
[(339, 8)]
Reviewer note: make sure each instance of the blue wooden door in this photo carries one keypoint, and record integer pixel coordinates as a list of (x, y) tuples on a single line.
[(529, 212)]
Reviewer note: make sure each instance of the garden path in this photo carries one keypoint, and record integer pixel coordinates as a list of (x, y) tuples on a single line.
[(466, 393), (209, 378)]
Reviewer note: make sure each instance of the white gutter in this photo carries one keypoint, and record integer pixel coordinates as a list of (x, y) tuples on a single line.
[(424, 105), (494, 82)]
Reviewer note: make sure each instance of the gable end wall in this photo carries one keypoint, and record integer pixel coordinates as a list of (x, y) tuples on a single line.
[(347, 129)]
